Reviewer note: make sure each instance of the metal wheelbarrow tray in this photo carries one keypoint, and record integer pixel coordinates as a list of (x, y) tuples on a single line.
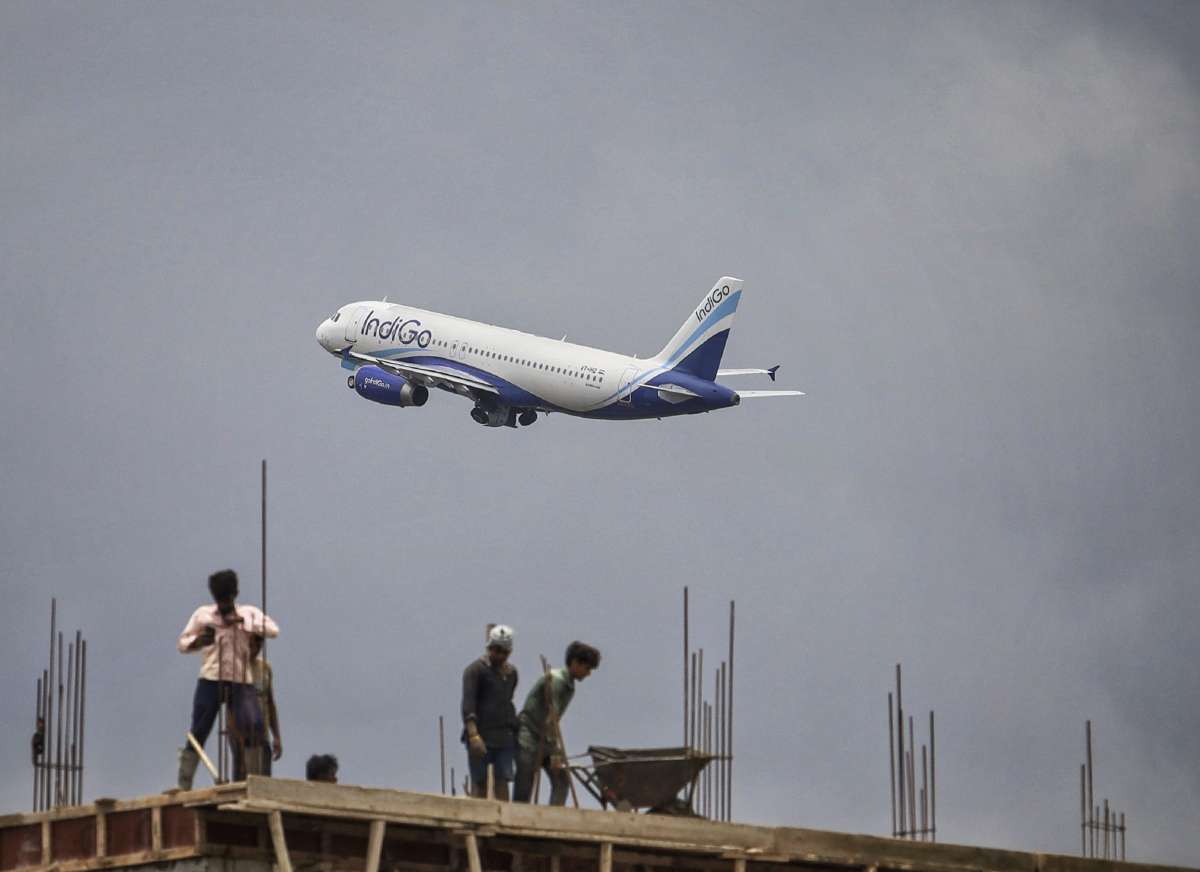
[(649, 778)]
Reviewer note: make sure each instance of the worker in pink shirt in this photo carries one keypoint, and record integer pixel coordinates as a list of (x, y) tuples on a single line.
[(221, 632)]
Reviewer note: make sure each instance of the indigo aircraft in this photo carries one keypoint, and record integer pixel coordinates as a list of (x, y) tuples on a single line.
[(397, 353)]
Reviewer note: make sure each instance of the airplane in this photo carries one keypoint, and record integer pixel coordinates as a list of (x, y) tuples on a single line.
[(397, 353)]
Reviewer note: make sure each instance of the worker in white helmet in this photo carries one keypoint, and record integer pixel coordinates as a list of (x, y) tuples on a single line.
[(489, 717)]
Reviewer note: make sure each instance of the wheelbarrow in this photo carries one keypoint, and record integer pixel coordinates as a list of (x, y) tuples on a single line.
[(643, 778)]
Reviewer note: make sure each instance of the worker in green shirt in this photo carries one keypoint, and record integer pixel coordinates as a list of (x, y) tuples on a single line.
[(537, 737)]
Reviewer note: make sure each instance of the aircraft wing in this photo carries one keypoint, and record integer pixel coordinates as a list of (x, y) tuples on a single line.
[(426, 375), (752, 395), (769, 371)]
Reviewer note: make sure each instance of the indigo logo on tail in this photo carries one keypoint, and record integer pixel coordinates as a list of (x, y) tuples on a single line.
[(711, 302), (406, 332)]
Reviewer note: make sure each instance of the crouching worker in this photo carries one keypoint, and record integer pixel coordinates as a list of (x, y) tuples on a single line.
[(537, 739), (221, 633), (489, 718)]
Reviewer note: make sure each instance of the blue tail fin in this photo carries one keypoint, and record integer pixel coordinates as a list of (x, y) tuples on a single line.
[(699, 343)]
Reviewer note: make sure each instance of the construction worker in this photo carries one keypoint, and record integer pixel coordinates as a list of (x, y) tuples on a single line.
[(321, 767), (222, 633), (489, 718), (269, 745), (538, 734)]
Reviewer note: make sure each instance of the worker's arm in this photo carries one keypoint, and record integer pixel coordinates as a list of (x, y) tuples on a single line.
[(470, 697), (197, 634), (254, 620), (273, 719)]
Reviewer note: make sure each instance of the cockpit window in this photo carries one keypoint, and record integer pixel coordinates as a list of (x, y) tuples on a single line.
[(336, 315)]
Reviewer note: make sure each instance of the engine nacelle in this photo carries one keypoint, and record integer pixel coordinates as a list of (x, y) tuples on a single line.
[(380, 386)]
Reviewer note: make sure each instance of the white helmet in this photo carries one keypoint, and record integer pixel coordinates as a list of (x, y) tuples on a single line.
[(501, 637)]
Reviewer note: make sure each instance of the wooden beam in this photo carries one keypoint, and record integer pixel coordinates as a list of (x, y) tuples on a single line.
[(281, 853), (739, 865), (375, 845), (156, 828), (208, 764), (473, 862), (606, 857)]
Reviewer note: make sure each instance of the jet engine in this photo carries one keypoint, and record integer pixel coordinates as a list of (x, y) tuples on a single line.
[(495, 415), (380, 386)]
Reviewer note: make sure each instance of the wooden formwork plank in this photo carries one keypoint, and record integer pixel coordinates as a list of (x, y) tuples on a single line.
[(282, 860), (375, 845)]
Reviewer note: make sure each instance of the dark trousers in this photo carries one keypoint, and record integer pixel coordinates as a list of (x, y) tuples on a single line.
[(243, 716), (527, 764)]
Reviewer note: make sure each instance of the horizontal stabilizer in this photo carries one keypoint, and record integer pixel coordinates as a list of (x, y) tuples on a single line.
[(769, 371), (752, 395)]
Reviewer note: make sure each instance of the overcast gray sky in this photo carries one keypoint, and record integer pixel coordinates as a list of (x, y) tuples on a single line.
[(968, 230)]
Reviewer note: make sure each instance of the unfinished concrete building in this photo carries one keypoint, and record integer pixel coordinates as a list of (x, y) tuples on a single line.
[(294, 826)]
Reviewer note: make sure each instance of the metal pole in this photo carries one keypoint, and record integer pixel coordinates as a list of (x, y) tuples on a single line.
[(900, 749), (924, 795), (892, 764), (1122, 835)]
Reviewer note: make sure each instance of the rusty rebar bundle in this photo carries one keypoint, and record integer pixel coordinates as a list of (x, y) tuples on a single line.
[(56, 748)]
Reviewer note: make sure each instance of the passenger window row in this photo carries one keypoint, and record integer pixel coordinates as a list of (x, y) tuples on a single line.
[(521, 361)]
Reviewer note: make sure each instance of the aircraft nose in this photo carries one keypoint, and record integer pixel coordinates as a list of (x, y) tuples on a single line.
[(323, 335)]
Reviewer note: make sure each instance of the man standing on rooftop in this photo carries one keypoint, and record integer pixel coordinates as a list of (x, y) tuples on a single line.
[(222, 633), (537, 730), (489, 718)]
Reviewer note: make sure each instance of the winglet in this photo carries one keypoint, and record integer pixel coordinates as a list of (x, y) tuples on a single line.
[(771, 371)]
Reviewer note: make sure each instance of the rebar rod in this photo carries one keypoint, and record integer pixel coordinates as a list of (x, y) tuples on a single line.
[(900, 749), (691, 743), (442, 750), (720, 765), (1105, 829), (685, 665), (48, 739), (37, 722), (911, 777), (932, 781), (729, 762), (924, 794), (892, 764), (51, 720), (58, 754), (1083, 809), (264, 556), (82, 718), (1122, 835), (70, 725), (75, 762), (1090, 797)]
